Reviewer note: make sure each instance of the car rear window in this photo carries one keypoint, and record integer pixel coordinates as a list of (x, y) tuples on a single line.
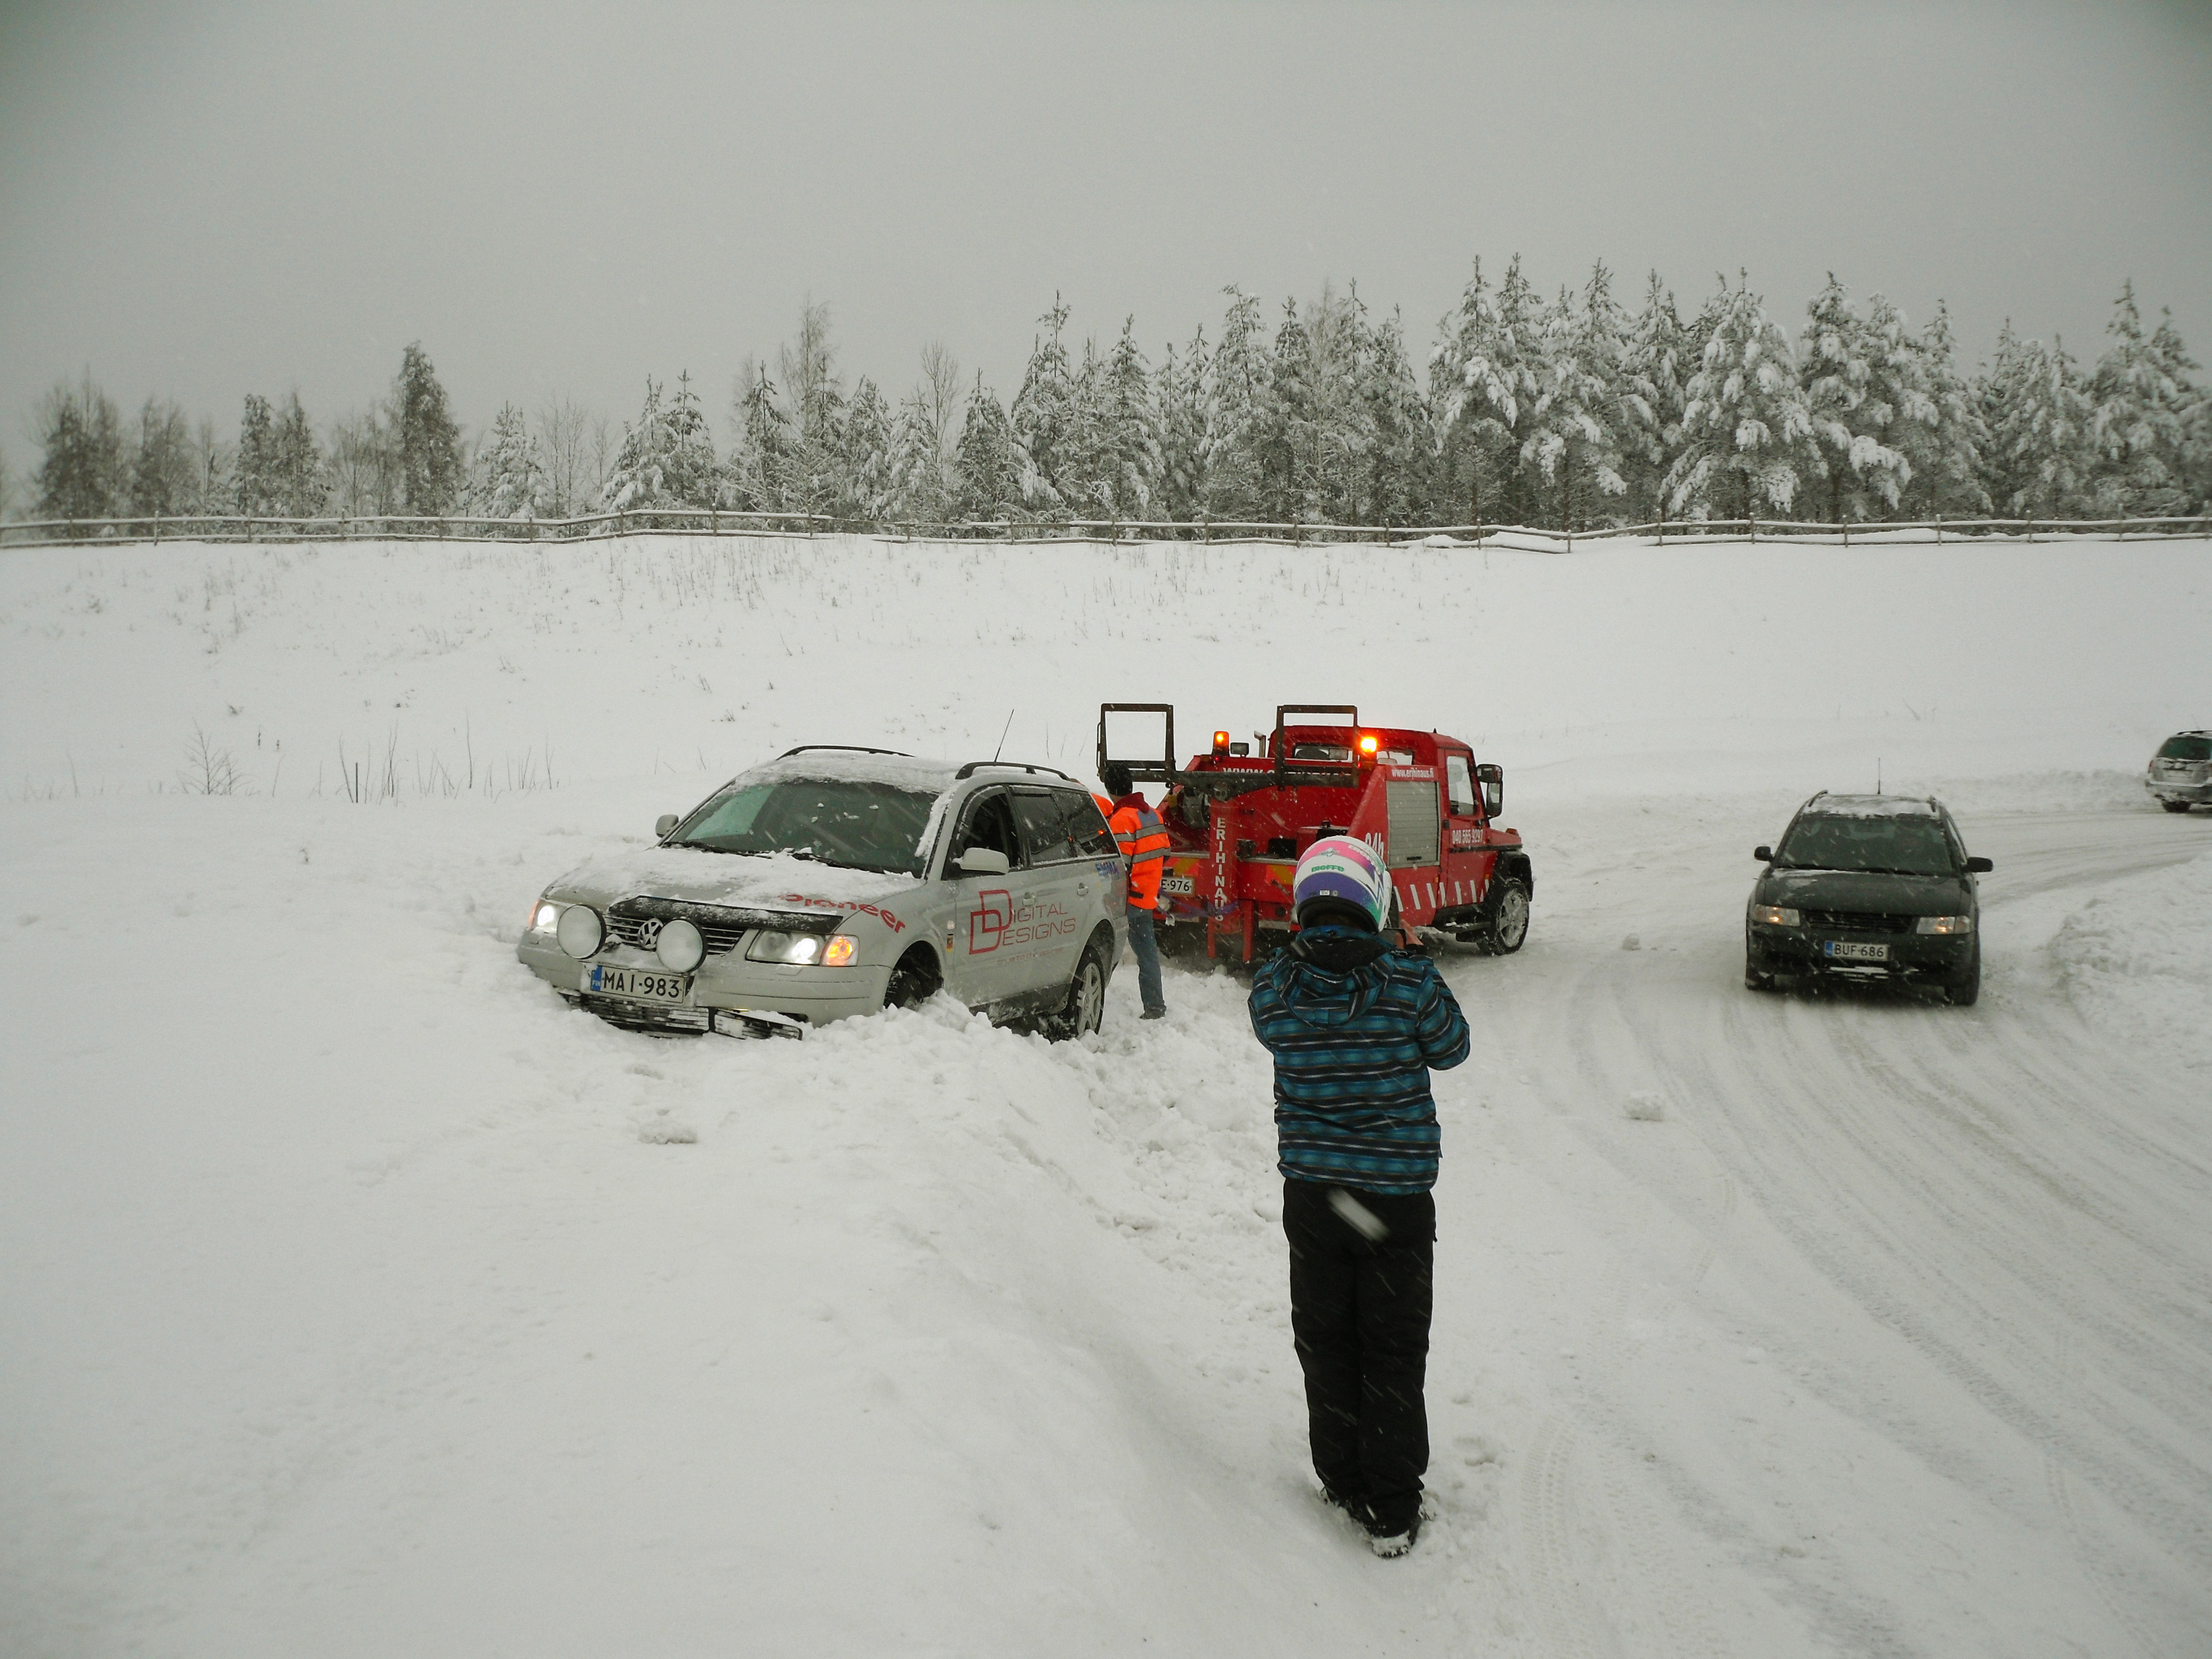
[(1902, 846), (857, 823), (2185, 748)]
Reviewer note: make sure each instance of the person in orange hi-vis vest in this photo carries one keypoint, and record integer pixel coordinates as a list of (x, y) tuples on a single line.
[(1144, 842)]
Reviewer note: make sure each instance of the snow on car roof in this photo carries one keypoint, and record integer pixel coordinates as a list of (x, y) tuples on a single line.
[(1872, 806), (930, 777)]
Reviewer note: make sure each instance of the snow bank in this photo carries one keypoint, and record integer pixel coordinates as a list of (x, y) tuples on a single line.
[(2136, 960)]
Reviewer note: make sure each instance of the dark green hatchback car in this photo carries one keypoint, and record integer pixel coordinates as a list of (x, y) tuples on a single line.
[(1867, 888)]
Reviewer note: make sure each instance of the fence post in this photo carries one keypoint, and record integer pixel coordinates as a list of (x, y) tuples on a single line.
[(1939, 530), (1847, 533), (1754, 523)]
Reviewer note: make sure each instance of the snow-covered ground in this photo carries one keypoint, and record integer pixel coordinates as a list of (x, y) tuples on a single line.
[(355, 1298)]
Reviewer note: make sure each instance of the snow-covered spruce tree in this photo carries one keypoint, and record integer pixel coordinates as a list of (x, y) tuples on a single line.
[(2195, 417), (1288, 437), (1863, 388), (300, 485), (1124, 447), (634, 480), (1569, 437), (919, 493), (1179, 416), (760, 477), (1401, 452), (1237, 383), (864, 461), (162, 470), (1655, 362), (1945, 452), (81, 473), (255, 489), (1746, 434), (2040, 453), (511, 479), (1339, 342), (815, 410), (1482, 378), (986, 466), (1044, 419), (2141, 397), (430, 470)]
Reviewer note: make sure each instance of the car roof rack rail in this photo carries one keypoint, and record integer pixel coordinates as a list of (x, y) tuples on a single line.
[(974, 766), (844, 749)]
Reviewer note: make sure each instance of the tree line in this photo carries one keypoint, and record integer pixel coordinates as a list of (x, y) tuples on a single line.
[(1572, 411)]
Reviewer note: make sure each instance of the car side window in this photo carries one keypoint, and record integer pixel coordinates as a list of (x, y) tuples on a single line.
[(1044, 826), (1087, 827), (1458, 778), (988, 820)]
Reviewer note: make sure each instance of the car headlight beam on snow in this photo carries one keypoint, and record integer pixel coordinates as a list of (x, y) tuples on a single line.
[(1776, 915), (1943, 924)]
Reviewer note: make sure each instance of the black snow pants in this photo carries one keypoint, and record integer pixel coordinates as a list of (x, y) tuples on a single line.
[(1360, 1301)]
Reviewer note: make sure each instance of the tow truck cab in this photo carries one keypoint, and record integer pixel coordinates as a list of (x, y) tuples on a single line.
[(1237, 821)]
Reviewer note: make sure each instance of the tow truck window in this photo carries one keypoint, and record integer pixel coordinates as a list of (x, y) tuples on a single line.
[(989, 822), (1459, 779)]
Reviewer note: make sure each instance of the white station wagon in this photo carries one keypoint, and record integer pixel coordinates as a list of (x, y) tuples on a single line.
[(833, 881)]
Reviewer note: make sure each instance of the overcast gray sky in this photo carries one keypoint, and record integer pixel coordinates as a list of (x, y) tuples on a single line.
[(202, 201)]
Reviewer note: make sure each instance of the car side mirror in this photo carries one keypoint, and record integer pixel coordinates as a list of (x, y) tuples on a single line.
[(983, 861), (1979, 867), (1764, 854), (1493, 779), (663, 824)]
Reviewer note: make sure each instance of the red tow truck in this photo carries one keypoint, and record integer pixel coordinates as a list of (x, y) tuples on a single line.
[(1237, 821)]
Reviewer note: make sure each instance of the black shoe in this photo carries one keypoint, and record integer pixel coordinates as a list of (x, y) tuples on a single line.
[(1391, 1544), (1153, 1013)]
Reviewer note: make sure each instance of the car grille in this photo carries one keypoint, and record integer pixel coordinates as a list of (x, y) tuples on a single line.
[(649, 1016), (1858, 922), (722, 927)]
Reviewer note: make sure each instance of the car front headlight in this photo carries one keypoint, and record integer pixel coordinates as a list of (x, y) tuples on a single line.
[(1943, 924), (770, 945), (545, 916), (580, 931), (1776, 915)]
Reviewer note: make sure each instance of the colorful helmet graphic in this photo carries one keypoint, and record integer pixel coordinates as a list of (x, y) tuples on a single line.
[(1345, 871)]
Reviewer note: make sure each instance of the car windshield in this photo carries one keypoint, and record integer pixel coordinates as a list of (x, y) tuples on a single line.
[(861, 824), (1897, 845), (2188, 749)]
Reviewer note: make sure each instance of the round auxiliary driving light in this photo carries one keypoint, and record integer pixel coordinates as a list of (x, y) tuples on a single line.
[(681, 947), (579, 932)]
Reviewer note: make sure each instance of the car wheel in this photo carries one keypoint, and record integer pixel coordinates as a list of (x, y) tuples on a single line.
[(1086, 1007), (1964, 991), (914, 980), (1504, 917), (2175, 806)]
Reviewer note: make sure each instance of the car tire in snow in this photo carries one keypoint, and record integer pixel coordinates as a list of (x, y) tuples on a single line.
[(1504, 924), (1964, 991), (2175, 806), (1086, 1007), (914, 980)]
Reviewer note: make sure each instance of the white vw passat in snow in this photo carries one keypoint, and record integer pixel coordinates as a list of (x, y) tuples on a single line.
[(832, 881)]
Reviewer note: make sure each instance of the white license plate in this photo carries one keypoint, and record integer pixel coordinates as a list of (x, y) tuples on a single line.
[(638, 984), (1843, 950), (1183, 886)]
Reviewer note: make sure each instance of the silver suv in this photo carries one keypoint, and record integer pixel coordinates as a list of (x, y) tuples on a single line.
[(833, 881), (2180, 774)]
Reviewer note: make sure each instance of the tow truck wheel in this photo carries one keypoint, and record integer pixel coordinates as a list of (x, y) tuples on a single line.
[(1086, 1007), (1505, 917), (913, 981)]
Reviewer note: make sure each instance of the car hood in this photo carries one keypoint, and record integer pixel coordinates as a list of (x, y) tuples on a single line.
[(1867, 891), (772, 882)]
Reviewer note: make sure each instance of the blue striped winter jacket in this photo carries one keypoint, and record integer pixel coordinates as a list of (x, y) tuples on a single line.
[(1354, 1026)]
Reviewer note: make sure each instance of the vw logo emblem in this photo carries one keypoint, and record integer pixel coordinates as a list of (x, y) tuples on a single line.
[(649, 932)]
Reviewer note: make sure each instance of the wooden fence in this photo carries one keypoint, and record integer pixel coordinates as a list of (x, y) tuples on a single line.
[(50, 532)]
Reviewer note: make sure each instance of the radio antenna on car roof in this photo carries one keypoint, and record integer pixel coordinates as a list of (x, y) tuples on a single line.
[(1003, 730), (1877, 774)]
